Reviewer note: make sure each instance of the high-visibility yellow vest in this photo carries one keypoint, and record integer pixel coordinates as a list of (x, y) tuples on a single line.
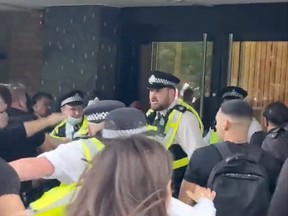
[(59, 132), (54, 202), (171, 128), (214, 137)]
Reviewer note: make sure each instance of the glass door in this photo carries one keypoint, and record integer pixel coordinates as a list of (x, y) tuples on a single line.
[(191, 62)]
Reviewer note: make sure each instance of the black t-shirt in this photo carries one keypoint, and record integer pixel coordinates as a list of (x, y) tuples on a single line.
[(276, 143), (257, 138), (204, 159), (9, 180), (15, 145), (278, 205), (17, 116)]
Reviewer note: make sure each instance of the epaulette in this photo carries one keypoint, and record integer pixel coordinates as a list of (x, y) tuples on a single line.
[(273, 134), (180, 108), (82, 137), (151, 117)]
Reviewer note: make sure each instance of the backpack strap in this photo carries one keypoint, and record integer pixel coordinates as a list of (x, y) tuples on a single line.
[(223, 149), (255, 154)]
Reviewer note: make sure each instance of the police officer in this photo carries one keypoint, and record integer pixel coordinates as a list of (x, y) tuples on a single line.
[(67, 162), (276, 122), (177, 122), (231, 93), (75, 125)]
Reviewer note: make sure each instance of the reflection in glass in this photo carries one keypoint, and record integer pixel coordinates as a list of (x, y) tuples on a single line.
[(185, 60)]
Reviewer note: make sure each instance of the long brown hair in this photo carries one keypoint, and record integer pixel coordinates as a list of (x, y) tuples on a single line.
[(128, 178)]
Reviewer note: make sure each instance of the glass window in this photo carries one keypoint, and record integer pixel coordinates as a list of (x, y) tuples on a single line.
[(185, 60)]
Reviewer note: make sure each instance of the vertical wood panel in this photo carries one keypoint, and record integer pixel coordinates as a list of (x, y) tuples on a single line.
[(283, 71), (262, 74), (251, 79), (267, 73), (278, 61), (235, 64), (246, 65), (262, 71), (257, 88), (286, 71), (272, 76)]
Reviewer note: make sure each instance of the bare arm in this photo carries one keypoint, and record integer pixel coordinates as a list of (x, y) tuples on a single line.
[(32, 168), (51, 143), (11, 204), (186, 186), (33, 127)]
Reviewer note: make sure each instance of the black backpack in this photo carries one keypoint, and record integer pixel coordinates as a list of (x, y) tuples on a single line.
[(241, 184)]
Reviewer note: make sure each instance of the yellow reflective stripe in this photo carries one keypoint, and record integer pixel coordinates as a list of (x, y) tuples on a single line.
[(56, 207), (194, 112), (214, 137), (171, 127), (55, 131), (86, 145), (86, 151), (56, 137), (180, 163), (149, 112), (54, 197), (97, 143), (151, 128), (83, 130)]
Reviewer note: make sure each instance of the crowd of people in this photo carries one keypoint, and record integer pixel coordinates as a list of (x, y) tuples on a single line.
[(97, 157)]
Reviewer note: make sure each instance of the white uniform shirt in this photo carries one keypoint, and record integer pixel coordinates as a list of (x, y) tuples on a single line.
[(67, 162), (188, 135), (204, 207), (254, 127)]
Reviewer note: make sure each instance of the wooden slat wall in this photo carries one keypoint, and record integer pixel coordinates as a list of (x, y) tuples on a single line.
[(261, 68), (235, 64)]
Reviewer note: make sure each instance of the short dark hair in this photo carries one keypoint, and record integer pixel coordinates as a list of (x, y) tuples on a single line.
[(5, 94), (276, 113), (39, 95), (188, 94), (237, 108)]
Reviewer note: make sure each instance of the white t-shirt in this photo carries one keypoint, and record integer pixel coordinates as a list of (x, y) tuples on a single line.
[(67, 162), (204, 207)]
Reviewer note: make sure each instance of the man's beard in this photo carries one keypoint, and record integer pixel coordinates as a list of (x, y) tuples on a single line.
[(160, 107)]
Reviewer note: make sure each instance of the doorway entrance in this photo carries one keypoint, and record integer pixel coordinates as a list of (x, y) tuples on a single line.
[(190, 61)]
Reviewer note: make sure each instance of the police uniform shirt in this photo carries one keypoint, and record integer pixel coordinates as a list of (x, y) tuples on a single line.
[(69, 130), (68, 162), (254, 127), (188, 134)]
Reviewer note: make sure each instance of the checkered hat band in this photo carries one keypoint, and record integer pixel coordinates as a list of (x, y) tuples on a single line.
[(111, 134), (97, 116), (75, 98), (164, 82), (232, 94)]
